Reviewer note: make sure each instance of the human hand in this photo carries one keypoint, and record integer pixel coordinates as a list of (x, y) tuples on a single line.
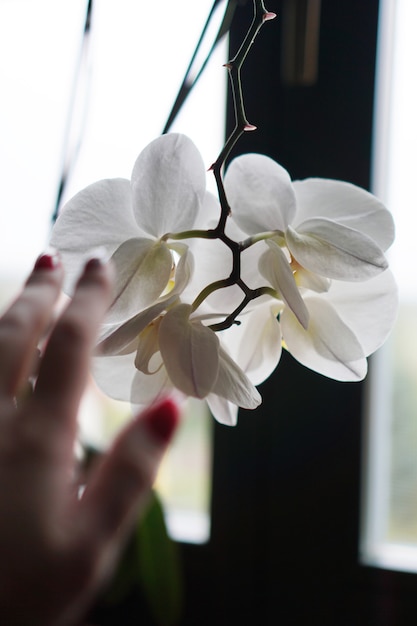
[(56, 548)]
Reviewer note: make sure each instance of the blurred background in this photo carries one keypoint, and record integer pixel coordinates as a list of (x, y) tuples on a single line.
[(306, 513)]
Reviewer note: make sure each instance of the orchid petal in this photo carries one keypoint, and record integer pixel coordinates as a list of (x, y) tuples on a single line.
[(114, 375), (142, 268), (328, 347), (223, 411), (168, 185), (184, 269), (369, 308), (345, 204), (189, 351), (250, 272), (258, 342), (117, 338), (99, 216), (274, 266), (233, 384), (260, 194), (209, 214), (118, 378), (262, 353), (146, 388), (335, 251), (309, 280), (148, 350)]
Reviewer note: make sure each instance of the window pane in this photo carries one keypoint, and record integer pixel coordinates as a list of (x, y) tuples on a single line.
[(131, 71), (390, 526)]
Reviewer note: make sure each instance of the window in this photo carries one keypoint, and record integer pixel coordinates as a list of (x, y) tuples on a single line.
[(82, 102), (390, 525)]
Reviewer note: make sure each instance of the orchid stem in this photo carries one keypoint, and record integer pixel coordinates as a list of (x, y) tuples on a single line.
[(251, 295), (234, 66), (191, 234)]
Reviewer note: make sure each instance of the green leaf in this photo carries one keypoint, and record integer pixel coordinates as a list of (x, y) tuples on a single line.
[(150, 570), (159, 569)]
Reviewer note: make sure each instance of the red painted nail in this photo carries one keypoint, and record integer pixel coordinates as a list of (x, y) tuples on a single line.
[(162, 420), (47, 261)]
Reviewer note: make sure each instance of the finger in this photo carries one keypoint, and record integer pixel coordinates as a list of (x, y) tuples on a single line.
[(118, 491), (64, 368), (28, 318)]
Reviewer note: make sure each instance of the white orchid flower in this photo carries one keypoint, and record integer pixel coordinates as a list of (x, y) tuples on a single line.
[(168, 347), (332, 228), (315, 248), (324, 229), (151, 341), (324, 255), (128, 219), (347, 323)]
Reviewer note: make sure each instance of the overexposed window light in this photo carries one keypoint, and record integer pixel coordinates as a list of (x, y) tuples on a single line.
[(135, 66), (389, 537)]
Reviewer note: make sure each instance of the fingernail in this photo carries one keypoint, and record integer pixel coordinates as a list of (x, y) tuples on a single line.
[(47, 261), (162, 420), (98, 259), (93, 264)]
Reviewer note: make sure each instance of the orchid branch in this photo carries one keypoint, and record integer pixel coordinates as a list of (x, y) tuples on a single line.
[(251, 295), (234, 66)]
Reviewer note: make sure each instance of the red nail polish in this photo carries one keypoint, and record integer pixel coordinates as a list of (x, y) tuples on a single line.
[(47, 262), (162, 419)]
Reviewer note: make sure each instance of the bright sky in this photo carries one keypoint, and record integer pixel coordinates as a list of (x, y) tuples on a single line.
[(396, 141), (139, 53)]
